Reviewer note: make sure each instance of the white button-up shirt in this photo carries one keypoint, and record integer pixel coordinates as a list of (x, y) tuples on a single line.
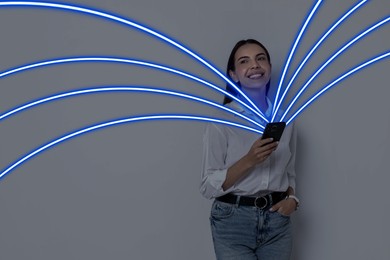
[(225, 145)]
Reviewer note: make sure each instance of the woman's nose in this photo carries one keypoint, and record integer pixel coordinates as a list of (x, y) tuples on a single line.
[(255, 64)]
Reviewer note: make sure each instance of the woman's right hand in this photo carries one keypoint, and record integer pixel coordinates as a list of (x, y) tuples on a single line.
[(261, 150)]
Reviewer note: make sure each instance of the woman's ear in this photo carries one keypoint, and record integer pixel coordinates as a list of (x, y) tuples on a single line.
[(233, 76)]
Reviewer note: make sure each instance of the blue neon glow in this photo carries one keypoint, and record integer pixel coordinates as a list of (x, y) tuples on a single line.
[(293, 51), (350, 72), (137, 26), (126, 61), (57, 141), (158, 35), (123, 89), (330, 30), (346, 46)]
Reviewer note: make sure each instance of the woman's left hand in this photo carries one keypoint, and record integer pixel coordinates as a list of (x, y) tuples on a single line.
[(285, 207)]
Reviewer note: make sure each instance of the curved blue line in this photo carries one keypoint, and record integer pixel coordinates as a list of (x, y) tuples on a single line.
[(350, 72), (121, 60), (71, 135), (370, 29), (332, 28), (122, 89), (312, 12), (135, 25)]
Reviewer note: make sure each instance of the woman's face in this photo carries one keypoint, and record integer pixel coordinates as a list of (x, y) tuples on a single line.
[(252, 67)]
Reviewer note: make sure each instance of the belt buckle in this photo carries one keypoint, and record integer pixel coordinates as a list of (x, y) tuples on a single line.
[(264, 202)]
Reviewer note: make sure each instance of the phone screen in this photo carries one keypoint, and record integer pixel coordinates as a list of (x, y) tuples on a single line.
[(274, 130)]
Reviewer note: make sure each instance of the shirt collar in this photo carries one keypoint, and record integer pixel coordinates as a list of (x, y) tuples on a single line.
[(241, 109)]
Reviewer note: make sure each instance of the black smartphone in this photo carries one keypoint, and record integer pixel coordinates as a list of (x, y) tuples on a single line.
[(274, 130)]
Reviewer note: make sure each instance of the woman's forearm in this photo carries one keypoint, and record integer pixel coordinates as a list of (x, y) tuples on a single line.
[(236, 172)]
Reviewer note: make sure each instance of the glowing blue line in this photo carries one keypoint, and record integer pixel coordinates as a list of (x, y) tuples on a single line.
[(331, 59), (42, 148), (293, 50), (135, 25), (114, 89), (336, 81), (128, 61), (312, 51)]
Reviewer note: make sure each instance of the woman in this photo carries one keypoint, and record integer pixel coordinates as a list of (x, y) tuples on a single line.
[(252, 180)]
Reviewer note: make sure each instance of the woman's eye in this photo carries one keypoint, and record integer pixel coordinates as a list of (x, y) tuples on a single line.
[(243, 61), (261, 58)]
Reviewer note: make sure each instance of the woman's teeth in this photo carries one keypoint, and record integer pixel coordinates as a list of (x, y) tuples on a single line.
[(256, 76)]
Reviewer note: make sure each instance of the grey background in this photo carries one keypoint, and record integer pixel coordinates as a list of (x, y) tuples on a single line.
[(131, 191)]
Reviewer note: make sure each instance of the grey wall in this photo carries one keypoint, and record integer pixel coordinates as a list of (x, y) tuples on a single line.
[(131, 191)]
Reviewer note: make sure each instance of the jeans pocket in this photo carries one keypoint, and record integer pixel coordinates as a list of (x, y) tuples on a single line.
[(281, 215), (222, 210)]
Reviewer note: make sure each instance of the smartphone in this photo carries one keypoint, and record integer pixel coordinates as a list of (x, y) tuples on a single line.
[(274, 130)]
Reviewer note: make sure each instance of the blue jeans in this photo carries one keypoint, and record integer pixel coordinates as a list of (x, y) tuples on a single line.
[(246, 233)]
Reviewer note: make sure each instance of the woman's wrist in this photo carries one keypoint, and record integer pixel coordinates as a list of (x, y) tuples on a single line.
[(246, 163), (295, 199)]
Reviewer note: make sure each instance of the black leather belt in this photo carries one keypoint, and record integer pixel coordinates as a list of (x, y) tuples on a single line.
[(259, 202)]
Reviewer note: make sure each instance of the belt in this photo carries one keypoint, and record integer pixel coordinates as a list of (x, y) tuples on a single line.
[(259, 202)]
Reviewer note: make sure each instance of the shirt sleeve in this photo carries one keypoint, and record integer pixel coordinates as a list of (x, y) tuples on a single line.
[(214, 168), (291, 164)]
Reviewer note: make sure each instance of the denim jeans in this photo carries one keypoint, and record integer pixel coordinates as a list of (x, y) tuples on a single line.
[(246, 233)]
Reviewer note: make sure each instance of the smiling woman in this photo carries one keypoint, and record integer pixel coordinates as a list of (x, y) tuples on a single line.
[(230, 70), (251, 179), (251, 68)]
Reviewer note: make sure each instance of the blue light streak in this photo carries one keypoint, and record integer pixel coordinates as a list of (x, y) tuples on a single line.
[(293, 51), (126, 61), (71, 135), (346, 46), (122, 89), (332, 28), (137, 26), (350, 72), (160, 36)]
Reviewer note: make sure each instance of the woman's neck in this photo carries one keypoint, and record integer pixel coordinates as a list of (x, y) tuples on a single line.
[(258, 97)]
